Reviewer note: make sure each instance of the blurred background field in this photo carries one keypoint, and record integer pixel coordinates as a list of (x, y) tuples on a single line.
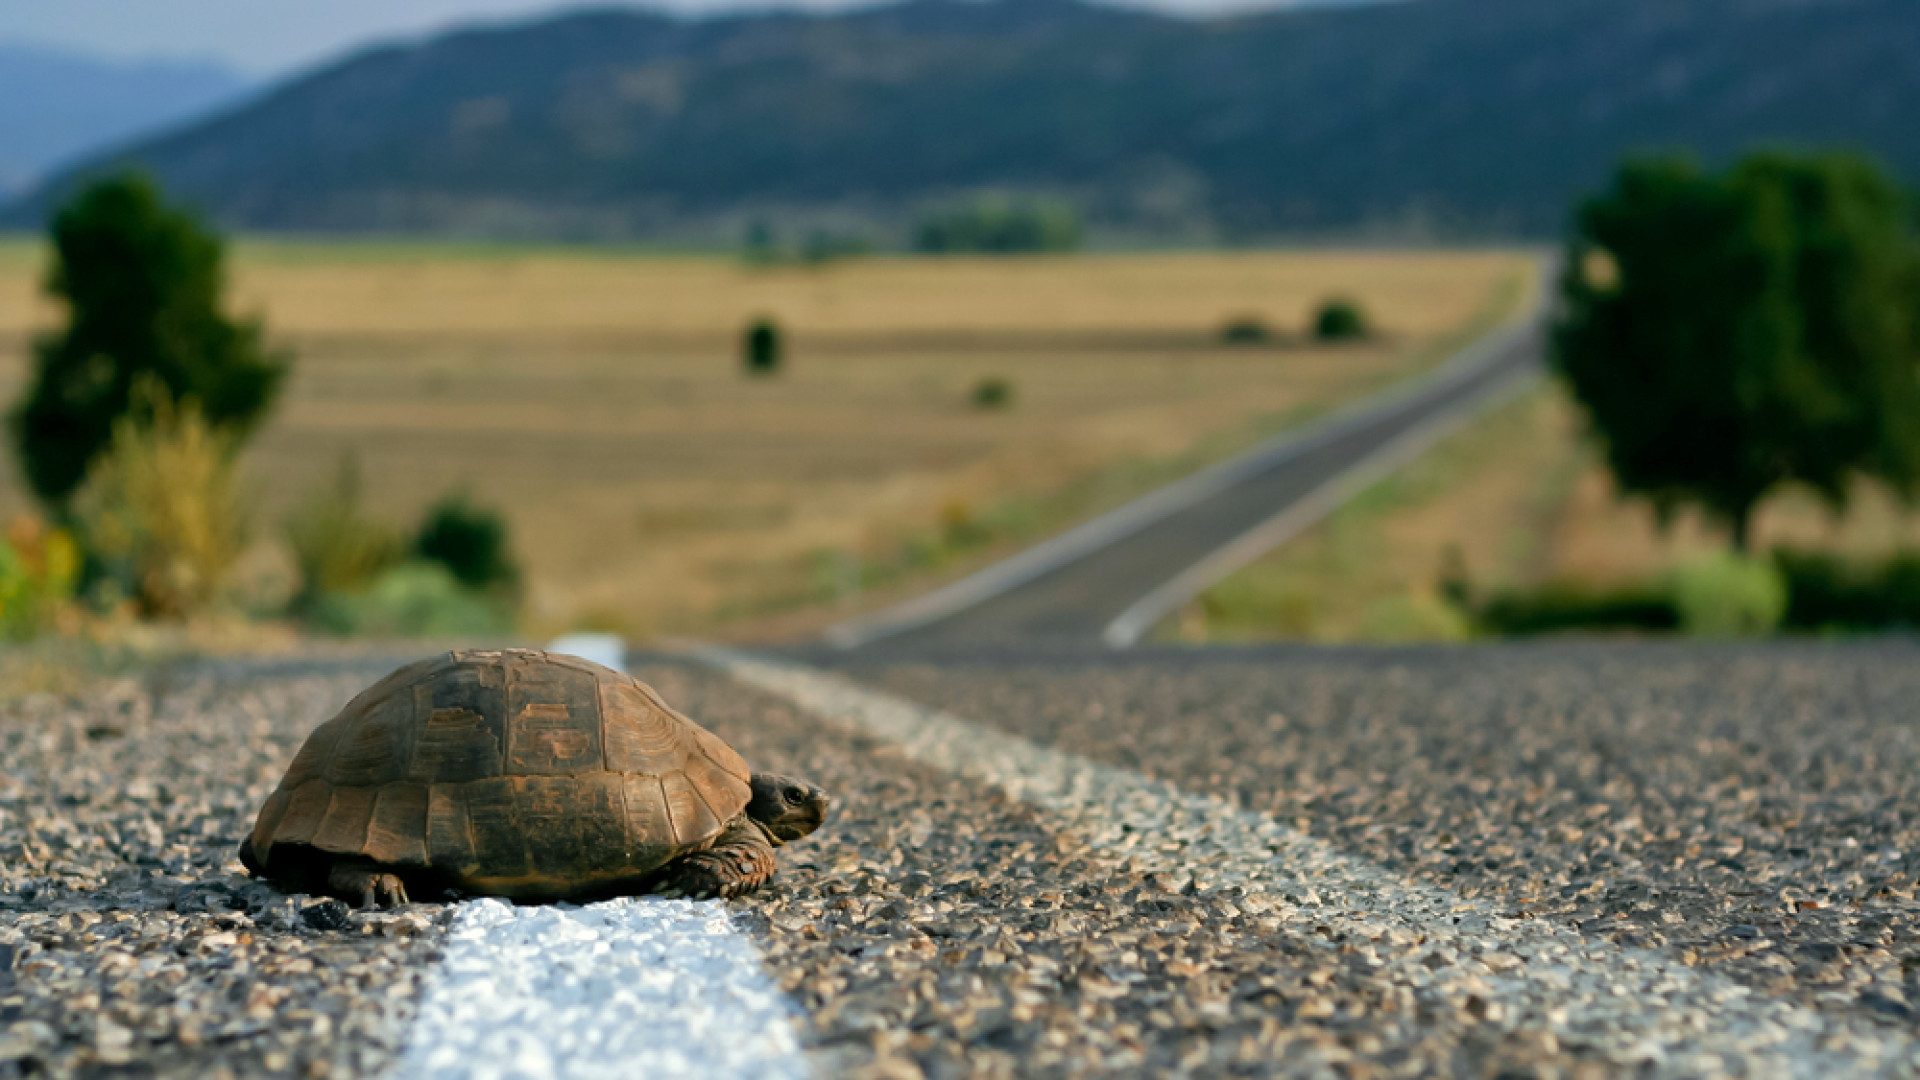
[(597, 399)]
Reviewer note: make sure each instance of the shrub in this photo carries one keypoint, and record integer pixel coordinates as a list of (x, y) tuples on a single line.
[(1246, 330), (471, 542), (414, 599), (1573, 606), (993, 392), (336, 547), (39, 568), (1341, 320), (142, 284), (1730, 596), (763, 350), (163, 509)]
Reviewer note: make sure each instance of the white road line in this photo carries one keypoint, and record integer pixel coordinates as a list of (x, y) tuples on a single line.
[(628, 988), (1130, 625), (1181, 494), (1636, 1006)]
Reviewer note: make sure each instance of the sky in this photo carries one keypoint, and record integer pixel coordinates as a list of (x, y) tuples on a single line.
[(270, 37)]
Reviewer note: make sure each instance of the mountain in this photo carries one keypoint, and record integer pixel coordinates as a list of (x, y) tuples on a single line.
[(56, 106), (1443, 117)]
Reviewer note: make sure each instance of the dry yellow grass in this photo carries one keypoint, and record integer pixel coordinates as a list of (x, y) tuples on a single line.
[(1520, 499), (599, 400)]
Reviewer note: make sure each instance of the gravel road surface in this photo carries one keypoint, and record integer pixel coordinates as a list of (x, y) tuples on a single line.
[(1746, 816)]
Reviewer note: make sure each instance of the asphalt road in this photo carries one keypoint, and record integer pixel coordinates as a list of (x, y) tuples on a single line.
[(1549, 860), (1078, 598)]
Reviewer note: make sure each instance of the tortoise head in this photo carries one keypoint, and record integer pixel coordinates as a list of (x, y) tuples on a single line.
[(789, 808)]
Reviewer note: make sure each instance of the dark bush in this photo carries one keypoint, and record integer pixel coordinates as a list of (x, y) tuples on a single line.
[(1570, 606), (993, 392), (763, 349), (1829, 593), (471, 542), (1341, 320), (1246, 330)]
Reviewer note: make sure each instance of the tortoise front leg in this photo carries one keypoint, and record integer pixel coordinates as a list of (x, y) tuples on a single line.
[(363, 883), (737, 863)]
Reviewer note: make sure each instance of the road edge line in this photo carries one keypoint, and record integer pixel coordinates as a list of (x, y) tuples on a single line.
[(1637, 1006), (1131, 625)]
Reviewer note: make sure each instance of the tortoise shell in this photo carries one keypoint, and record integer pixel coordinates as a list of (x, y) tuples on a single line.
[(506, 772)]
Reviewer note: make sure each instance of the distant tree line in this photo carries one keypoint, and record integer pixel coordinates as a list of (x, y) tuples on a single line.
[(997, 226)]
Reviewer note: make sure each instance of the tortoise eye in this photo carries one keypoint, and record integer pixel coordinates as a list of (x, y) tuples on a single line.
[(791, 796)]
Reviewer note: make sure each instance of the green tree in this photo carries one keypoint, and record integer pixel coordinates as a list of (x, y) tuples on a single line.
[(1728, 333), (142, 284)]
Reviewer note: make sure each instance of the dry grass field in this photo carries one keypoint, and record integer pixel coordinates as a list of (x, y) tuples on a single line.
[(1520, 499), (599, 400)]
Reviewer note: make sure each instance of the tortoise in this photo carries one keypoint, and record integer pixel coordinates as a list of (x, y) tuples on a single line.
[(526, 775)]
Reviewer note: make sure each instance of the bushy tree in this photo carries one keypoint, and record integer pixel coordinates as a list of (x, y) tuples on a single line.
[(1728, 333), (142, 283)]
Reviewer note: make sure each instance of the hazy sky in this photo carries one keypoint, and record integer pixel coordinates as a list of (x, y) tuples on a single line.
[(269, 36)]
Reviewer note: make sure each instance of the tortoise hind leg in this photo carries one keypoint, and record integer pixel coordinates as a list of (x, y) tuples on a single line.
[(737, 863), (363, 883)]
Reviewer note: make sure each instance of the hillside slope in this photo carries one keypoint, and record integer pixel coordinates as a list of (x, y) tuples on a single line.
[(1457, 116)]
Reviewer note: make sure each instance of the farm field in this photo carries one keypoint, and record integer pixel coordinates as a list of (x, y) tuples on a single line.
[(1520, 499), (598, 400)]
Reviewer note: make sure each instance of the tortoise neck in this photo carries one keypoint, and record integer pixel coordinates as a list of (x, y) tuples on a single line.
[(764, 831)]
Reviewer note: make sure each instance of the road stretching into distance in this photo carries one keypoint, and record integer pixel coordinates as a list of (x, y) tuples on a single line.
[(1112, 579)]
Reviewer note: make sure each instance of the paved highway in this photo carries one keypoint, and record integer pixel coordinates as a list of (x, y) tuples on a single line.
[(1112, 579), (1548, 860)]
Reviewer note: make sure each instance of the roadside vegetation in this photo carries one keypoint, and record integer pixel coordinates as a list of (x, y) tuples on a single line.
[(129, 430), (1732, 446)]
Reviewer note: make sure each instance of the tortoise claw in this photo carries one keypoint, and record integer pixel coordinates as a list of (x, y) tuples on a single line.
[(371, 888)]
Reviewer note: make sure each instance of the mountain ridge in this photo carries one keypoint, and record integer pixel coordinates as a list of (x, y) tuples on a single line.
[(1465, 118)]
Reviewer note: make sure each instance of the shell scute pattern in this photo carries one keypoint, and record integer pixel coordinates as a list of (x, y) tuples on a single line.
[(517, 773)]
